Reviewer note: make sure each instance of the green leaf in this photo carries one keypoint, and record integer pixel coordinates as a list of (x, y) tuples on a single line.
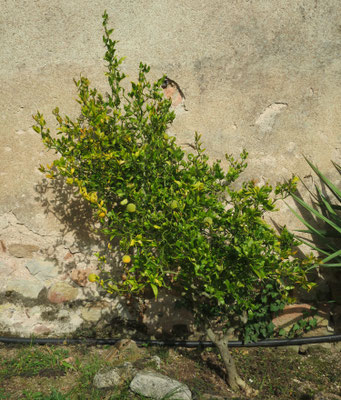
[(191, 231), (155, 290), (316, 213), (330, 185)]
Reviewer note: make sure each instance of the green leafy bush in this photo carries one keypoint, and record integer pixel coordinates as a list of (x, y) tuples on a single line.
[(325, 212), (180, 223)]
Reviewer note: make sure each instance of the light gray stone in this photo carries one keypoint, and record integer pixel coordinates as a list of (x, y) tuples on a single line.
[(107, 379), (43, 270), (157, 386), (91, 314), (30, 289)]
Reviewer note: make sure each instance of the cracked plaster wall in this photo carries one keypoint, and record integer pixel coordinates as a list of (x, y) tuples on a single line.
[(261, 75)]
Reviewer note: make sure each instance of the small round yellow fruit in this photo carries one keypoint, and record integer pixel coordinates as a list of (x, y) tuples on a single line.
[(92, 277), (208, 221), (131, 207), (126, 259), (101, 214), (174, 204)]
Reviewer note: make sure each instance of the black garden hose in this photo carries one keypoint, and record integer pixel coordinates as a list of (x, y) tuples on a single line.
[(174, 343)]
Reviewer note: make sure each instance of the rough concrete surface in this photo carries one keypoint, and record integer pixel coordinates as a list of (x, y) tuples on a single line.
[(257, 74)]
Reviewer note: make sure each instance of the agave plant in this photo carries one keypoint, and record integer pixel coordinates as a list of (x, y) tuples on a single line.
[(326, 214)]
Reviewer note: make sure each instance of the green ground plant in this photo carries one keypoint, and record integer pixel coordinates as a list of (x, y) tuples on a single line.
[(33, 361), (275, 372), (180, 221)]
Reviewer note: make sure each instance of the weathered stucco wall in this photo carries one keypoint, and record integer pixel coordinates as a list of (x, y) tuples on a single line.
[(261, 75)]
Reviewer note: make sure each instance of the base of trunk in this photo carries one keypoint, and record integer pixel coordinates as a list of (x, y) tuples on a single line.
[(233, 379)]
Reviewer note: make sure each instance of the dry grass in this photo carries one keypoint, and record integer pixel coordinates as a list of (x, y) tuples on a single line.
[(278, 373)]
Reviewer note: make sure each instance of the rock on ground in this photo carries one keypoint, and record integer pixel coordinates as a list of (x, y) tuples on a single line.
[(157, 386), (107, 379)]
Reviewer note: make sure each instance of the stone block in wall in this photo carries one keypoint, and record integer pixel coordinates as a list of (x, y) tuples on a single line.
[(29, 289), (19, 250), (61, 292), (43, 270), (80, 275), (94, 311)]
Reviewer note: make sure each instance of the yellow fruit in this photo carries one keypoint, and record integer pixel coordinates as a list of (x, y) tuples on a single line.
[(174, 204), (126, 259), (92, 277), (208, 221), (131, 207), (101, 214)]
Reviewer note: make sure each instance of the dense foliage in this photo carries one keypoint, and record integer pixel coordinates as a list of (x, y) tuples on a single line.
[(180, 220)]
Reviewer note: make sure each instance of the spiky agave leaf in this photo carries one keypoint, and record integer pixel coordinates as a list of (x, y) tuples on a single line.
[(326, 212)]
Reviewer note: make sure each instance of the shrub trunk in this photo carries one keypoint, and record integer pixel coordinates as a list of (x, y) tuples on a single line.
[(233, 379)]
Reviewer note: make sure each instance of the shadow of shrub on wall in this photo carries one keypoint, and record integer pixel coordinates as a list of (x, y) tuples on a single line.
[(78, 227), (74, 214)]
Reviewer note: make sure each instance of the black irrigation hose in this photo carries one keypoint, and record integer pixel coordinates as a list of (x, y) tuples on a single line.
[(175, 343)]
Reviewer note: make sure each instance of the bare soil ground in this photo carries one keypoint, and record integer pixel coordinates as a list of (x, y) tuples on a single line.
[(66, 373)]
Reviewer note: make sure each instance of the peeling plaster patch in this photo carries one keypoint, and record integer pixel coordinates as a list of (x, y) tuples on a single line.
[(174, 93), (266, 120)]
